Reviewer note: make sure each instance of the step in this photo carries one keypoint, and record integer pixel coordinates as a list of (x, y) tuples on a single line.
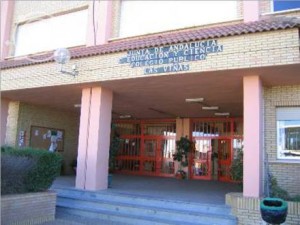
[(121, 218), (137, 210), (132, 209), (145, 201), (72, 219)]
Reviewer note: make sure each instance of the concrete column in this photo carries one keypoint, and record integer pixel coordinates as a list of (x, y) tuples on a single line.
[(182, 128), (4, 115), (253, 136), (99, 22), (251, 10), (12, 124), (94, 139), (7, 12)]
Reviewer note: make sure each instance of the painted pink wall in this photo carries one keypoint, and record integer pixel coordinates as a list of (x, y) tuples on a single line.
[(94, 139), (253, 136), (7, 10), (103, 23), (251, 10), (4, 114)]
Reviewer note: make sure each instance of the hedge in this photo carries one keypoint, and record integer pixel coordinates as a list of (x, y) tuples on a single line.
[(28, 170)]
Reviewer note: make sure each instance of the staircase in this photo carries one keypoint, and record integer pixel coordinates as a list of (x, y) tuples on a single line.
[(132, 209)]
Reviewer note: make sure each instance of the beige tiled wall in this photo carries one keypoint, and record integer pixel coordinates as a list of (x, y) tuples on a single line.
[(245, 51), (265, 6), (287, 173), (22, 116), (29, 208)]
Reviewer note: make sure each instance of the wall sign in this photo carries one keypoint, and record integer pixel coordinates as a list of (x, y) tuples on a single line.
[(173, 58), (51, 139)]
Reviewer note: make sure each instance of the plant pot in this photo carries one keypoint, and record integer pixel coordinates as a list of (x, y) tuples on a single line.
[(180, 174), (273, 210)]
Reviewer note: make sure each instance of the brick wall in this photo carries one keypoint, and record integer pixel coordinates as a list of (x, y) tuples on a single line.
[(265, 6), (287, 173), (46, 117), (116, 10), (247, 210), (30, 208), (245, 51)]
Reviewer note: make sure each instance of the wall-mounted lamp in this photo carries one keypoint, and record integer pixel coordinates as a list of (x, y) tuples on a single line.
[(194, 100), (62, 56), (222, 114)]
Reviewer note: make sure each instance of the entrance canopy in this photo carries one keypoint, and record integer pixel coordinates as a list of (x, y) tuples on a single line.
[(164, 96)]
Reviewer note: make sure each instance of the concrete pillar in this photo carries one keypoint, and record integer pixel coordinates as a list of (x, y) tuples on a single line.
[(4, 115), (12, 124), (7, 12), (251, 10), (253, 136), (94, 139), (99, 22), (182, 128)]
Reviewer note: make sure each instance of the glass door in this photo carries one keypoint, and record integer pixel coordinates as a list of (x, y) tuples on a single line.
[(224, 159)]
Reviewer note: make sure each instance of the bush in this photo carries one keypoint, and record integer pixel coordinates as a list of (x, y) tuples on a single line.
[(236, 169), (295, 198), (28, 170)]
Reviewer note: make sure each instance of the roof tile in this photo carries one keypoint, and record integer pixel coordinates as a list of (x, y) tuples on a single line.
[(275, 23)]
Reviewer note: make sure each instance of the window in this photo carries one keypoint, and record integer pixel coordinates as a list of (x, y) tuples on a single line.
[(141, 17), (288, 133), (52, 32), (280, 5)]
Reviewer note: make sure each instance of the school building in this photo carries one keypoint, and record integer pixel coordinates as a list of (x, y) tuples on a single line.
[(223, 73)]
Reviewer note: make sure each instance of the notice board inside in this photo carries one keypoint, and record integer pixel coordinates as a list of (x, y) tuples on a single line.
[(51, 139)]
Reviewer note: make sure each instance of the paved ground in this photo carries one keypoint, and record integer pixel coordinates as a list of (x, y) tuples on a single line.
[(212, 192)]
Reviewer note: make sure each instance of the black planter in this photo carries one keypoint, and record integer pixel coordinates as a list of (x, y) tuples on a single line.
[(273, 210)]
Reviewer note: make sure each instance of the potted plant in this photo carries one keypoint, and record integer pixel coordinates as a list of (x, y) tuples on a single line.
[(236, 169), (274, 209), (180, 174), (183, 147)]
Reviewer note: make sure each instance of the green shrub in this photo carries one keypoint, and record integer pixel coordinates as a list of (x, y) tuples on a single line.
[(37, 169), (276, 191), (236, 169), (14, 172), (295, 198)]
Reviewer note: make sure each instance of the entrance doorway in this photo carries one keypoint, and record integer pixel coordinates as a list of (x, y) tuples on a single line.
[(216, 141), (147, 147)]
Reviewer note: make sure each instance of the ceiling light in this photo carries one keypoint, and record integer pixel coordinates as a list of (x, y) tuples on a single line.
[(210, 107), (194, 100), (125, 116), (222, 114), (77, 105)]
